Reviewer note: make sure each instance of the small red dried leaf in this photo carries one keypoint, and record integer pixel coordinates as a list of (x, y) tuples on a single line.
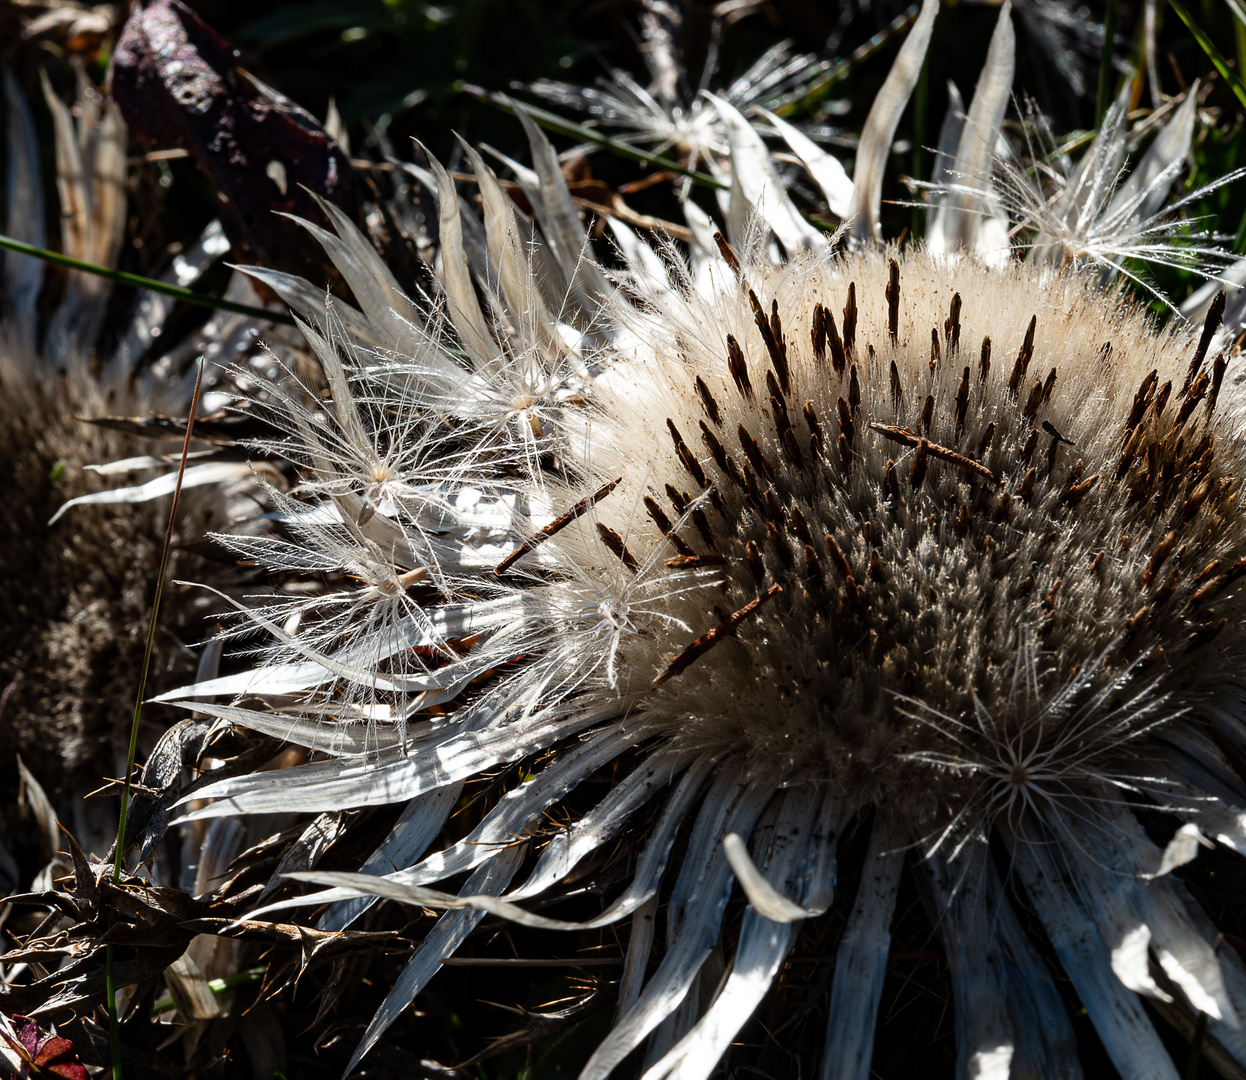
[(44, 1054)]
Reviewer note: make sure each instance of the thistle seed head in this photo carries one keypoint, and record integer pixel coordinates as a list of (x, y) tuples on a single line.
[(942, 537)]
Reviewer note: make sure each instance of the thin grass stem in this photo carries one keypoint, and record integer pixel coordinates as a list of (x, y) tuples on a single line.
[(1104, 100), (137, 281), (114, 1024), (560, 126), (1213, 54), (820, 87)]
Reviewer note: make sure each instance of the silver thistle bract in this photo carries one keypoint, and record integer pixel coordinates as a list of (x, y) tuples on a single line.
[(949, 549)]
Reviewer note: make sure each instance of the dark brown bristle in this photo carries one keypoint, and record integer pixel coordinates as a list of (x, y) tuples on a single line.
[(984, 360), (952, 326), (817, 333), (1195, 502), (1207, 631), (897, 389), (1194, 396), (779, 542), (726, 464), (1129, 452), (799, 526), (1209, 571), (751, 485), (927, 416), (614, 542), (1138, 619), (1047, 386), (1024, 355), (1210, 589), (692, 653), (934, 349), (987, 436), (876, 571), (1031, 442), (774, 511), (813, 565), (776, 332), (962, 401), (850, 318), (1162, 398), (839, 356), (854, 388), (753, 452), (962, 520), (725, 250), (656, 513), (1162, 550), (845, 419), (1053, 450), (1026, 491), (1004, 512), (1078, 491), (778, 409), (921, 460), (845, 453), (1141, 400), (559, 523), (708, 402), (694, 562), (686, 456), (891, 483), (839, 560), (1217, 377), (738, 368), (893, 300), (664, 525), (772, 337), (703, 527), (815, 427), (756, 563), (792, 448), (1034, 401), (677, 500), (772, 386), (1211, 324)]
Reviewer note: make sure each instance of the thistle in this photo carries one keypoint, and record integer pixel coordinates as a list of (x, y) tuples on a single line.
[(876, 539), (668, 116)]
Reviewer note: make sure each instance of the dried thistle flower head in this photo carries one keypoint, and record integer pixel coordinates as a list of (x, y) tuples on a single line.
[(669, 116), (954, 544), (942, 551)]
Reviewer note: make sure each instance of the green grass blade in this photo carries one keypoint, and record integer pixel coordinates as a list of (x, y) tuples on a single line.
[(218, 986), (136, 281), (114, 1023), (821, 86), (1213, 54), (560, 126), (1104, 99)]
